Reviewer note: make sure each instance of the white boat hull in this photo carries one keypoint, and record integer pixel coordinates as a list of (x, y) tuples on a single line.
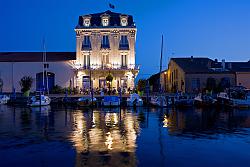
[(37, 101), (38, 104)]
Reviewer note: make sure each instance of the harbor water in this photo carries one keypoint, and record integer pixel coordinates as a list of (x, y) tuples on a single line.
[(74, 137)]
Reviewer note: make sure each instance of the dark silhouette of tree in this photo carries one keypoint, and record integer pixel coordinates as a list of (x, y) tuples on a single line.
[(211, 84)]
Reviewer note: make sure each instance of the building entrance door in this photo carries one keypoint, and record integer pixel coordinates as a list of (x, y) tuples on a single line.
[(85, 82), (45, 84), (124, 84), (102, 83)]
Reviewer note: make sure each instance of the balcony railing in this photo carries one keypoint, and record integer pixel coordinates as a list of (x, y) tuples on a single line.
[(108, 67)]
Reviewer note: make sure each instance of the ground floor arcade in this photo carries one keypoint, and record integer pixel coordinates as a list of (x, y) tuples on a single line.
[(123, 79)]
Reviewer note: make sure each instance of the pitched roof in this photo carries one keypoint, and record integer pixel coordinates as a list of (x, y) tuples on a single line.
[(194, 65), (36, 56), (114, 21), (206, 65), (239, 66)]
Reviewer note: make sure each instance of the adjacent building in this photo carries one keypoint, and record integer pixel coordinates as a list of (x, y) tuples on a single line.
[(15, 65), (105, 44), (194, 74), (242, 73)]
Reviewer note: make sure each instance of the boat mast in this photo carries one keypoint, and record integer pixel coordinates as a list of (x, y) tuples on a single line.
[(43, 65), (161, 63)]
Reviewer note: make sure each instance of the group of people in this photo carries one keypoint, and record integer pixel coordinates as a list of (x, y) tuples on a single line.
[(103, 91)]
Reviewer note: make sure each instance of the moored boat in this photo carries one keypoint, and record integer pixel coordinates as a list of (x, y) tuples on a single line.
[(160, 101), (86, 101), (241, 103), (183, 101), (4, 99), (111, 101), (223, 98), (39, 100), (204, 100), (134, 100)]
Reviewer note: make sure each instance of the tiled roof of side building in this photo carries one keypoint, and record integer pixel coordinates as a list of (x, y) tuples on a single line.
[(95, 20), (36, 56), (200, 65), (194, 65), (239, 66)]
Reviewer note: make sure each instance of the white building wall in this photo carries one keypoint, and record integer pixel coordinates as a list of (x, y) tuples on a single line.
[(63, 73)]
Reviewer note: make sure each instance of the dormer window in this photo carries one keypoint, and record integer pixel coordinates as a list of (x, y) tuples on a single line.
[(105, 19), (105, 22), (124, 20), (86, 22)]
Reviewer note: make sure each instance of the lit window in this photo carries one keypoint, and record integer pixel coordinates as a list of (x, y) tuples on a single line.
[(105, 41), (124, 60), (124, 22), (105, 21), (86, 22), (86, 44), (123, 43)]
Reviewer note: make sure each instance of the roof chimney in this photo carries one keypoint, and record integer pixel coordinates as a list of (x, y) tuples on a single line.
[(192, 57), (223, 64)]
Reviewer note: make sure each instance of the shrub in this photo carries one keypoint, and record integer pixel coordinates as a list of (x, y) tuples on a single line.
[(26, 83)]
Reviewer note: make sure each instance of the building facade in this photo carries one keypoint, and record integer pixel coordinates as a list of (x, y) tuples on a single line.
[(196, 74), (15, 65), (242, 72), (105, 44)]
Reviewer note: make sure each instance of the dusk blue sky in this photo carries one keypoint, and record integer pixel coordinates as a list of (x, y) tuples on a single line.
[(200, 28)]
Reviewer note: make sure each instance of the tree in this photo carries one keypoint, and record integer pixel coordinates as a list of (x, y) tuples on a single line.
[(109, 78), (211, 84), (141, 85), (224, 83), (26, 83)]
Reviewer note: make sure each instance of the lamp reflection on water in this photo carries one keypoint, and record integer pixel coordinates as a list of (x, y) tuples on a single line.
[(165, 121), (109, 141), (111, 119)]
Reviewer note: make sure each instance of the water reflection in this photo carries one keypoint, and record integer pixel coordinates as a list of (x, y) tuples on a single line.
[(109, 137), (113, 137)]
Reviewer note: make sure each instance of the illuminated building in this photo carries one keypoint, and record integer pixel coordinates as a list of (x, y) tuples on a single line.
[(105, 43)]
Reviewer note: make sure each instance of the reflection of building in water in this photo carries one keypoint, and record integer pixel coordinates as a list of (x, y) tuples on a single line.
[(105, 138), (205, 122), (176, 121)]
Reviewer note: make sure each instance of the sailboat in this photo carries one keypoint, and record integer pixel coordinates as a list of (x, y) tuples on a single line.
[(160, 100), (40, 99)]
